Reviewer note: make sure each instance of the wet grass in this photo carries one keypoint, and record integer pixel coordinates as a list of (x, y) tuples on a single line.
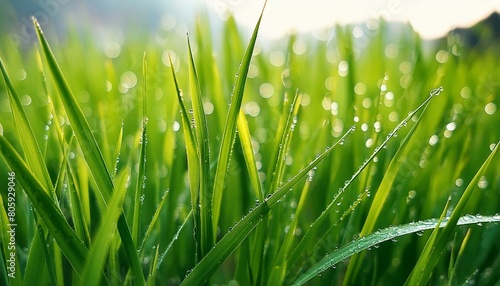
[(310, 160)]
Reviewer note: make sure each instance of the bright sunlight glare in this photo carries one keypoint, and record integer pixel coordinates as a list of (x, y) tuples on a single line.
[(431, 19)]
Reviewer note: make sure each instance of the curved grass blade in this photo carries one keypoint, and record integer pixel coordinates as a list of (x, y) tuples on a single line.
[(433, 248), (380, 236), (280, 264), (229, 133), (211, 262), (90, 149), (316, 226), (384, 188), (37, 256), (200, 128), (92, 272), (72, 247)]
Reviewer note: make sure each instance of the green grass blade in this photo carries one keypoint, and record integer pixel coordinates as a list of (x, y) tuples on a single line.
[(319, 222), (153, 221), (81, 225), (117, 150), (95, 261), (229, 132), (154, 267), (283, 146), (248, 153), (141, 173), (383, 235), (54, 220), (209, 264), (280, 264), (37, 256), (432, 251), (192, 156), (202, 146), (389, 177), (90, 149), (79, 124)]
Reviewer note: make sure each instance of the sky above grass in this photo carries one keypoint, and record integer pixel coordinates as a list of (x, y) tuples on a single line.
[(432, 19)]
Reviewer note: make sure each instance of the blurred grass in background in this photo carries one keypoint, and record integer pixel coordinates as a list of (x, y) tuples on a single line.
[(369, 75)]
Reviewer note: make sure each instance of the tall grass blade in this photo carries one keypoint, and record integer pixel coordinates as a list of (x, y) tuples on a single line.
[(141, 173), (209, 264), (153, 270), (291, 121), (192, 157), (385, 234), (5, 239), (200, 128), (433, 249), (176, 236), (389, 177), (229, 133), (248, 153), (68, 241), (279, 269), (317, 225), (153, 221), (37, 256), (90, 149)]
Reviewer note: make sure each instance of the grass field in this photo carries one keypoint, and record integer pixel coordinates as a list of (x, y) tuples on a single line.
[(361, 156)]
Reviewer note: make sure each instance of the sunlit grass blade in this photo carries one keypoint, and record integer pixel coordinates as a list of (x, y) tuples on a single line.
[(229, 132), (90, 149), (95, 261), (54, 220), (389, 177), (200, 128), (433, 249), (248, 153), (154, 267), (209, 264), (383, 235)]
